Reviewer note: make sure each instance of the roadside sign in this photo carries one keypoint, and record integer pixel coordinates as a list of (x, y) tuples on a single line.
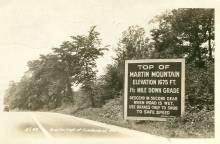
[(154, 89)]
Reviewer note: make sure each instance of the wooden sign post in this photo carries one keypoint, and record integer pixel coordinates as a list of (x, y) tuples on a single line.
[(154, 89)]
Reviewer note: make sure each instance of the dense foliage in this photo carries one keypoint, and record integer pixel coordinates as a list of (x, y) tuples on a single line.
[(48, 82), (189, 34), (180, 33)]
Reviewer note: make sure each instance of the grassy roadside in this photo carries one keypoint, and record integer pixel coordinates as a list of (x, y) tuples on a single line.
[(191, 125)]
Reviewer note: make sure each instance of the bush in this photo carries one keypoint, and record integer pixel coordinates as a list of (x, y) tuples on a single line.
[(200, 87), (199, 124), (113, 110), (192, 124)]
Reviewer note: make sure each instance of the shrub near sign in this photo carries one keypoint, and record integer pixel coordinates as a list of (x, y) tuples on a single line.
[(154, 89)]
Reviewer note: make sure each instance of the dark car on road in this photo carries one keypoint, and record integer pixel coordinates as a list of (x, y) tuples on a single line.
[(6, 108)]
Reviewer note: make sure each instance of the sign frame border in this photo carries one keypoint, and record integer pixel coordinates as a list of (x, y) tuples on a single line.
[(182, 60)]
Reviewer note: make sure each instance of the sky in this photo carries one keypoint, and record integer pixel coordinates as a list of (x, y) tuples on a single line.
[(29, 28)]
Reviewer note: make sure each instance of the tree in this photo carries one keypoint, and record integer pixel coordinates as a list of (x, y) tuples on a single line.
[(132, 45), (79, 55), (90, 49), (189, 34), (185, 33), (112, 82), (48, 73), (42, 86), (9, 96), (18, 93), (48, 82), (67, 55)]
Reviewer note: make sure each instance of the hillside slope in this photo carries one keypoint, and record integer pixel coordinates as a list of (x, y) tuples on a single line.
[(195, 125)]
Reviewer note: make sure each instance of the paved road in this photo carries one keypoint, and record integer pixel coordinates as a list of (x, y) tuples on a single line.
[(43, 127)]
